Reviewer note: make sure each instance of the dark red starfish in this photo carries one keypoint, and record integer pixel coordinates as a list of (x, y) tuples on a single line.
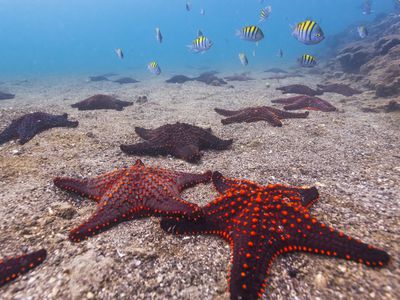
[(180, 140), (101, 102), (263, 222), (305, 102), (258, 113), (13, 267), (133, 192), (26, 127)]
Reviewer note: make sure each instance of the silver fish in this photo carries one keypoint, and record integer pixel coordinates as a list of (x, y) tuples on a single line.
[(188, 6), (119, 53), (243, 59), (159, 36), (202, 12)]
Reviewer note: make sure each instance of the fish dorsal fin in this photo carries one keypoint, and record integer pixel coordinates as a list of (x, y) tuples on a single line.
[(199, 33)]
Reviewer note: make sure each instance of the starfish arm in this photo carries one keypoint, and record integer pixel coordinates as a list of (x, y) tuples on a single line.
[(268, 116), (174, 206), (110, 212), (211, 141), (251, 261), (187, 180), (11, 268), (286, 100), (26, 133), (307, 234), (8, 134), (144, 149), (93, 188), (226, 113), (222, 184), (145, 134), (289, 115)]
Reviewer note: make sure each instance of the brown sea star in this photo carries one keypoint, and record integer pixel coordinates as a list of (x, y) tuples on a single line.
[(258, 113), (180, 140), (263, 222), (305, 102), (13, 267), (299, 89), (338, 88), (133, 192), (101, 102), (26, 127)]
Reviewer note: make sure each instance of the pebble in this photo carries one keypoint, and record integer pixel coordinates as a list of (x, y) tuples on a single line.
[(320, 281)]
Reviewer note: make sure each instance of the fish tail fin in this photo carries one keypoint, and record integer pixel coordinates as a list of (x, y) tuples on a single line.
[(238, 32)]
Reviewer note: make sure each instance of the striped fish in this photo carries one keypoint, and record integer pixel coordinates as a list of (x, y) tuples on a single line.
[(265, 12), (250, 33), (200, 44), (307, 60), (154, 68), (308, 32)]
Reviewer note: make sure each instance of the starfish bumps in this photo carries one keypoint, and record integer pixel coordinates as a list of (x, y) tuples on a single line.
[(180, 140), (263, 222), (11, 268), (133, 192)]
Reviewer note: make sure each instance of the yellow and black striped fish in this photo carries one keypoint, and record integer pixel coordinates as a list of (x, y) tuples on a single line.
[(154, 68), (307, 60), (265, 12), (200, 44), (308, 32), (250, 33)]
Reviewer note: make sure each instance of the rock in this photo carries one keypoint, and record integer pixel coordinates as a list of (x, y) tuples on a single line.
[(320, 281), (373, 62), (87, 272), (65, 211), (142, 100), (6, 96)]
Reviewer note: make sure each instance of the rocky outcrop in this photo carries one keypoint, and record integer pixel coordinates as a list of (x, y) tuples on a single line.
[(374, 62)]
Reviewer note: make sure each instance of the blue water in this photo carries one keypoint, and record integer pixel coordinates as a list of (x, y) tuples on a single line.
[(42, 37)]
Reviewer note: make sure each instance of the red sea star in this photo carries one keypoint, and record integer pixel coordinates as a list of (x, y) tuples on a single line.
[(263, 222), (133, 192), (258, 113), (11, 268), (305, 102)]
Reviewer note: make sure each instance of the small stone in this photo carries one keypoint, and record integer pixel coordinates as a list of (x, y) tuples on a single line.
[(90, 295), (320, 281), (342, 268), (65, 211)]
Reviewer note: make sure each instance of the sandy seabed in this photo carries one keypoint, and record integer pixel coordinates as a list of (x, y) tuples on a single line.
[(352, 157)]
